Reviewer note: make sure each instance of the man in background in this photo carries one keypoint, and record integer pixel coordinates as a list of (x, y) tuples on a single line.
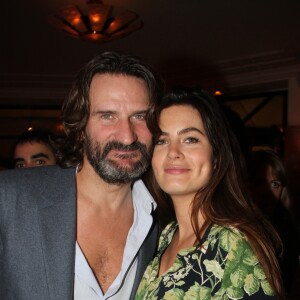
[(34, 149)]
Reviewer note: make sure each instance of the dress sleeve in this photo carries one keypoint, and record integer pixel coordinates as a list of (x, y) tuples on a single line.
[(243, 276)]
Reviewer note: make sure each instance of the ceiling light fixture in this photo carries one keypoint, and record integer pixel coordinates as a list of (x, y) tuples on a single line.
[(95, 22)]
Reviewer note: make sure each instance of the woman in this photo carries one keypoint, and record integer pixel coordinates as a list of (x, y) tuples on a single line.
[(219, 247), (269, 188), (268, 181)]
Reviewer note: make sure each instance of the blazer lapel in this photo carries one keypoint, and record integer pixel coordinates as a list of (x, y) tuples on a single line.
[(146, 254), (57, 219)]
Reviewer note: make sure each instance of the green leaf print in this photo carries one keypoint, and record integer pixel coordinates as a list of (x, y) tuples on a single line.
[(197, 292), (168, 283), (174, 294), (176, 266), (195, 256), (180, 283), (249, 258), (259, 272), (151, 271), (228, 240), (267, 288), (148, 292), (213, 236), (220, 294), (251, 284), (186, 251), (225, 269), (235, 258), (235, 293), (214, 267), (225, 297), (237, 277), (180, 274)]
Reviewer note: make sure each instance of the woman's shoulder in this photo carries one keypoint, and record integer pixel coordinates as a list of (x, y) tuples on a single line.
[(242, 273), (228, 237), (233, 241), (231, 231), (233, 245)]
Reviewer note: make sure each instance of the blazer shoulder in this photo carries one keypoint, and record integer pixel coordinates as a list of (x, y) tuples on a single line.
[(36, 176), (29, 186)]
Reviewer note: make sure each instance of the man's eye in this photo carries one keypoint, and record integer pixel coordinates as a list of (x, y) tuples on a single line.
[(106, 116), (275, 184), (19, 165), (140, 117), (39, 162)]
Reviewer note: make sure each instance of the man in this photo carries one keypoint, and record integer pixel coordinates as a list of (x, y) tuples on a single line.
[(89, 233), (33, 149)]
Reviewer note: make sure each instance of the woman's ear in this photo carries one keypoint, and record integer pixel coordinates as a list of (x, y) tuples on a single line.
[(215, 162)]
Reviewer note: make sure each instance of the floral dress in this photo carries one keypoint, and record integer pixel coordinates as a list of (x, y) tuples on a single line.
[(224, 268)]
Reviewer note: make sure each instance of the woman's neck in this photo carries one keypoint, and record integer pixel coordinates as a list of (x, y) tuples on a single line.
[(183, 211)]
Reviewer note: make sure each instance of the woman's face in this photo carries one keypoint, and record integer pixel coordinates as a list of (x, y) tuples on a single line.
[(182, 158), (266, 188), (274, 183)]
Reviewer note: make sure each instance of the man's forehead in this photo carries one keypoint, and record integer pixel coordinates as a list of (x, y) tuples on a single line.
[(115, 105), (32, 146), (124, 92), (112, 77)]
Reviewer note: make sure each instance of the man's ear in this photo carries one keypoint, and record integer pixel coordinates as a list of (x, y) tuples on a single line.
[(82, 137)]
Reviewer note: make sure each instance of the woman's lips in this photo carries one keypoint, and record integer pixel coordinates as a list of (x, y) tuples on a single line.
[(176, 170)]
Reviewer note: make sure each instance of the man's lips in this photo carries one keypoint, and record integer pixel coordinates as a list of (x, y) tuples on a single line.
[(124, 154)]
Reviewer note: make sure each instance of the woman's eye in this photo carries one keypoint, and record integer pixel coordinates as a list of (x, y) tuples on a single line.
[(160, 142), (191, 140), (275, 184)]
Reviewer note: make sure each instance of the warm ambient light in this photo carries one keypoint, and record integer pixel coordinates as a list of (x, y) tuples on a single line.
[(95, 22), (218, 93)]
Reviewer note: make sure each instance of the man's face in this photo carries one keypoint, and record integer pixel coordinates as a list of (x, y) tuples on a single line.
[(33, 154), (118, 144)]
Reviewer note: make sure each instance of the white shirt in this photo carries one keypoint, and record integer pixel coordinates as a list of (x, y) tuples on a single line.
[(86, 286)]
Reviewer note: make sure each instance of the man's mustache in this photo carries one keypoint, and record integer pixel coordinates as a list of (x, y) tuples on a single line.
[(114, 145)]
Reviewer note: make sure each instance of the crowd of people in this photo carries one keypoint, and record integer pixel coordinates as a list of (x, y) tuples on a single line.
[(148, 196)]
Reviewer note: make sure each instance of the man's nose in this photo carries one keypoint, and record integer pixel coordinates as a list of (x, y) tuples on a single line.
[(30, 164), (127, 134)]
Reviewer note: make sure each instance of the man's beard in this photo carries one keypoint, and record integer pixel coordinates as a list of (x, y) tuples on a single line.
[(112, 171)]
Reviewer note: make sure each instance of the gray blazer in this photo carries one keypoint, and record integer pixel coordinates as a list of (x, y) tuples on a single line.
[(38, 233)]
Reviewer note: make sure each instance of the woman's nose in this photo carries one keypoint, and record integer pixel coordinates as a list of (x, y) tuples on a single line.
[(174, 151)]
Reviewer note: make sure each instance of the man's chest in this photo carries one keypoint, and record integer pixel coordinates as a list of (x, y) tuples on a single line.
[(103, 250)]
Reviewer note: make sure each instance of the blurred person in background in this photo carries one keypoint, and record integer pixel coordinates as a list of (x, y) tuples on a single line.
[(34, 148), (269, 189)]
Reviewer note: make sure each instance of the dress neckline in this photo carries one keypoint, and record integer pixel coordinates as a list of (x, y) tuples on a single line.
[(167, 238)]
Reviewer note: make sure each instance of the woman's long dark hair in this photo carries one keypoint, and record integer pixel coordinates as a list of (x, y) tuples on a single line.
[(224, 200)]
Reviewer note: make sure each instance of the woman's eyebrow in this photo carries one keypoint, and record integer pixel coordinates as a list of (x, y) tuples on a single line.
[(189, 129), (184, 131)]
